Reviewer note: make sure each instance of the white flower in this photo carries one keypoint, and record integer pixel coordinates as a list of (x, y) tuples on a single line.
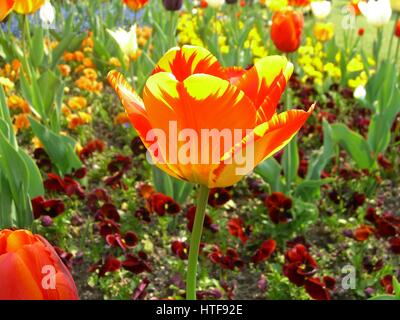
[(321, 9), (47, 13), (377, 13), (127, 41), (360, 93), (215, 3)]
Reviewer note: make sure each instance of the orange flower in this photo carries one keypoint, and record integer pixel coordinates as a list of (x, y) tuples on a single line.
[(27, 6), (354, 7), (135, 4), (299, 3), (77, 103), (397, 29), (14, 102), (286, 30), (190, 88), (21, 121), (5, 8), (121, 118), (64, 69), (31, 269)]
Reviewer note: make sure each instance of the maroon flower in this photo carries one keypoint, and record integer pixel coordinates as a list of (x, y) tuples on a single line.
[(120, 163), (387, 283), (395, 245), (237, 229), (140, 291), (52, 208), (135, 264), (95, 197), (208, 294), (218, 197), (108, 210), (143, 214), (137, 146), (279, 207), (42, 159), (162, 204), (230, 260), (111, 264), (255, 187), (67, 185), (129, 240), (208, 222), (299, 265), (90, 148), (180, 249), (266, 249), (316, 289), (107, 227), (54, 183), (356, 201), (385, 162)]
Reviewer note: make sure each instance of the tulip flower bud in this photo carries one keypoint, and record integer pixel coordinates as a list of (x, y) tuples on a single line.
[(172, 5), (286, 30)]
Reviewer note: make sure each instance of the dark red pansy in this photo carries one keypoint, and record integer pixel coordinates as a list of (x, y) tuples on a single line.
[(229, 260), (80, 173), (42, 159), (208, 222), (52, 207), (135, 264), (54, 183), (108, 210), (111, 264), (316, 289), (208, 294), (90, 148), (237, 229), (96, 197), (395, 245), (72, 187), (256, 188), (137, 146), (131, 239), (143, 214), (299, 265), (115, 181), (385, 162), (266, 249), (180, 249), (162, 204), (356, 201), (387, 283), (119, 163), (279, 207), (107, 227), (140, 291), (145, 190), (329, 282), (218, 197), (363, 232)]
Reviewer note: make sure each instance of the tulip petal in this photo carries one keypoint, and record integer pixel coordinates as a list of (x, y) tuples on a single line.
[(5, 8), (188, 60), (264, 84), (16, 279), (266, 139), (199, 103), (27, 6)]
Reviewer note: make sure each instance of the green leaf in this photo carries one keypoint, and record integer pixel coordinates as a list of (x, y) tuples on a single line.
[(59, 148), (48, 85), (290, 161), (37, 50), (270, 171), (35, 187), (354, 144)]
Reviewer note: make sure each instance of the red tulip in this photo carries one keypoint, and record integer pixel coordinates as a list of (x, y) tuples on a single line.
[(397, 29), (30, 269), (286, 30)]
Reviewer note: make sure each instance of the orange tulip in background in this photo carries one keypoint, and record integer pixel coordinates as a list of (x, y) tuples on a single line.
[(135, 4), (397, 29), (286, 30), (30, 269), (299, 3), (190, 87), (19, 6), (6, 7)]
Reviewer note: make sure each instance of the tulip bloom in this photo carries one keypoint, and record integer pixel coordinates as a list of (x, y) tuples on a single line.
[(397, 29), (172, 5), (6, 7), (135, 4), (190, 88), (321, 9), (377, 13), (27, 6), (30, 269), (286, 30)]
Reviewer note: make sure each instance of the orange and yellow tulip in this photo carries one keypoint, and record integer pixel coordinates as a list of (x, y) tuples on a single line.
[(135, 4), (189, 87), (30, 269), (19, 6), (6, 7), (286, 30)]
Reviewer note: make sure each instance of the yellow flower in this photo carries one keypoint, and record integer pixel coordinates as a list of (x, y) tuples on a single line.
[(323, 31), (5, 82), (77, 103)]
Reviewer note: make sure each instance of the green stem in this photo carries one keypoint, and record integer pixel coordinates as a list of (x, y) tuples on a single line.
[(397, 50), (195, 243)]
